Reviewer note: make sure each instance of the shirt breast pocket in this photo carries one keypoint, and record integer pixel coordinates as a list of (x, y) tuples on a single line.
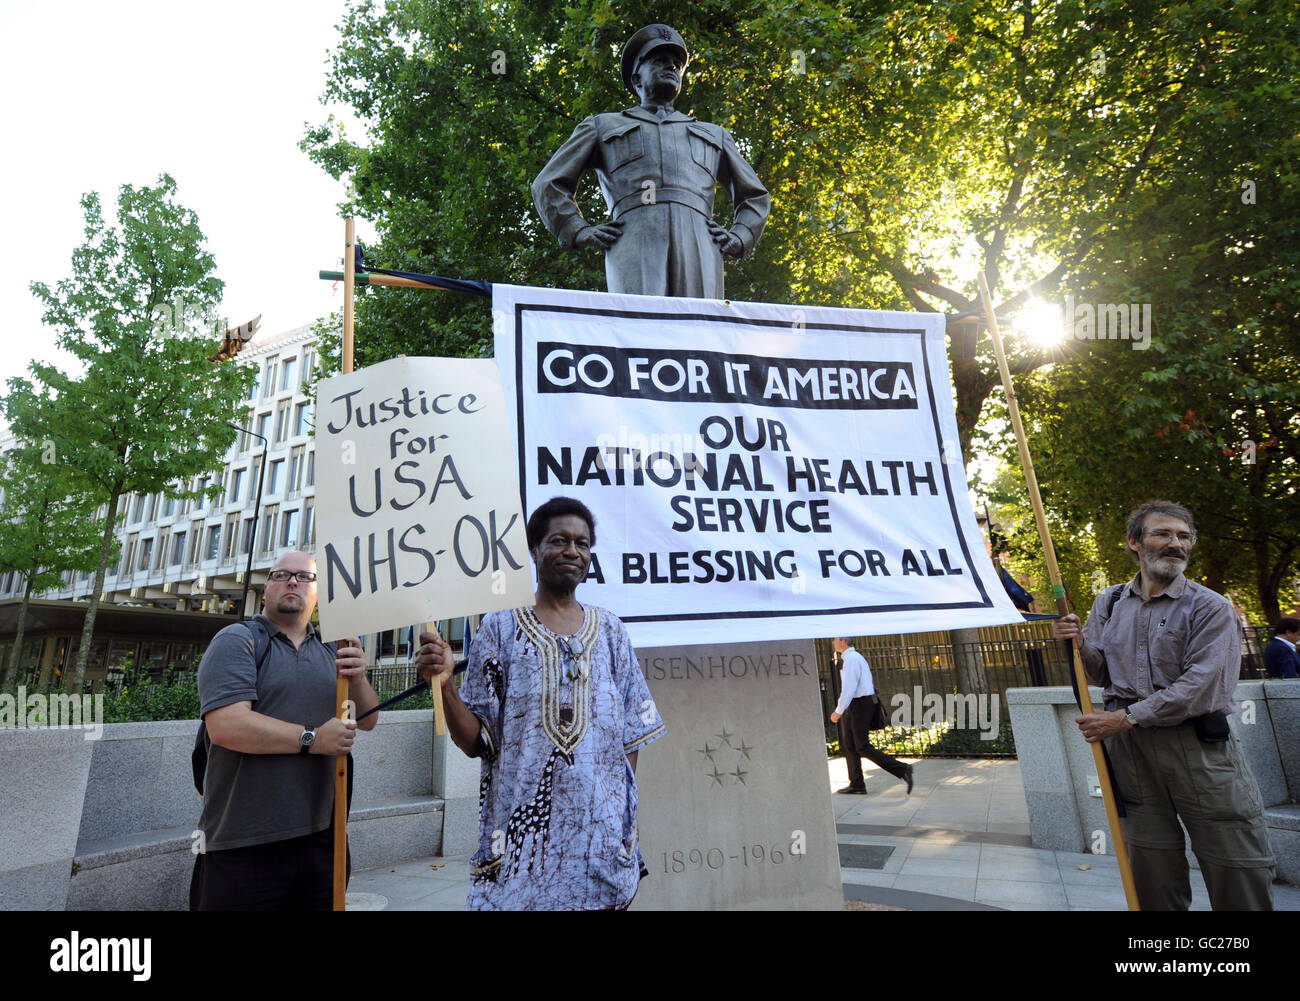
[(622, 145), (705, 148), (1167, 649)]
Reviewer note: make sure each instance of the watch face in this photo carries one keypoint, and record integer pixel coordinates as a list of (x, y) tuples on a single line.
[(307, 737)]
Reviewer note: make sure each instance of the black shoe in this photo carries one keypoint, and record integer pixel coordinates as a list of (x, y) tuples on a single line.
[(853, 790), (907, 777)]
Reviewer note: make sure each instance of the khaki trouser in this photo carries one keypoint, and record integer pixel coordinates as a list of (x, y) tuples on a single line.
[(1166, 774)]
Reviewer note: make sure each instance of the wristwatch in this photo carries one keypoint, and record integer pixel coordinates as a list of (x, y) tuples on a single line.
[(305, 740), (1132, 720)]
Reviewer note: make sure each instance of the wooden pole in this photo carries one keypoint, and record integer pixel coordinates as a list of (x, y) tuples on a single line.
[(366, 278), (439, 719), (1058, 592), (341, 690)]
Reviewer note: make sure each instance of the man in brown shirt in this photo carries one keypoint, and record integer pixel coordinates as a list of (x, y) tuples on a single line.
[(1168, 652)]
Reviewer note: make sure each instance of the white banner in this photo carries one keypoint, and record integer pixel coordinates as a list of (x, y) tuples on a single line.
[(418, 517), (757, 472)]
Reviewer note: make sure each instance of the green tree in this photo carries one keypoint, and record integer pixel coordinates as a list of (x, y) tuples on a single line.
[(138, 312), (907, 147), (47, 527), (1207, 413)]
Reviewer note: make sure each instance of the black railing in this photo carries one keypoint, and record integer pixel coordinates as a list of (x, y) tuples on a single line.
[(989, 667)]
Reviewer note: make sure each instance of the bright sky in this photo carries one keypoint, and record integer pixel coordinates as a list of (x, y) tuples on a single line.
[(102, 94)]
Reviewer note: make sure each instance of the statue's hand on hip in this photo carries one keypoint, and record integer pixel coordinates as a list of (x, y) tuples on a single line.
[(728, 242), (602, 237)]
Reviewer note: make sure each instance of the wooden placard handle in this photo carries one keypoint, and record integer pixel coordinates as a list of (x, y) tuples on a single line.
[(439, 717)]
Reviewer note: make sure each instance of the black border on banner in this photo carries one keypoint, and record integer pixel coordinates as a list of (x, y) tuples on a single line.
[(521, 307)]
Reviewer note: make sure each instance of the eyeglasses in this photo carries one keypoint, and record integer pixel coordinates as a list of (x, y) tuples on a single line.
[(302, 576), (1164, 535)]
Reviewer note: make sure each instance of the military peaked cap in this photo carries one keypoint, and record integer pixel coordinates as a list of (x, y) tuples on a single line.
[(651, 37)]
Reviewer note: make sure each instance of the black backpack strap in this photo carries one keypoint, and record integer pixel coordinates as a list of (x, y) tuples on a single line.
[(202, 744), (1115, 592)]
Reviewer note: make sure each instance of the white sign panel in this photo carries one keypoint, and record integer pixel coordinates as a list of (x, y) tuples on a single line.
[(757, 471), (417, 501)]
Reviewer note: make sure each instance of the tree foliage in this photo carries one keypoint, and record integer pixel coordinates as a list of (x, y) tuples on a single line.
[(47, 527), (1053, 146), (138, 312)]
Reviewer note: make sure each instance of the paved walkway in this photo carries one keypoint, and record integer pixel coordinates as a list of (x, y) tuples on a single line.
[(959, 842)]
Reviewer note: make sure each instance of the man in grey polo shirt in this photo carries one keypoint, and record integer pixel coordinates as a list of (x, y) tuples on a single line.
[(268, 801), (1168, 652)]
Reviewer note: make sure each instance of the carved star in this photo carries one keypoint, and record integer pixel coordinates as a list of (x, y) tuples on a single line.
[(740, 776), (707, 751), (724, 736), (717, 775), (744, 748)]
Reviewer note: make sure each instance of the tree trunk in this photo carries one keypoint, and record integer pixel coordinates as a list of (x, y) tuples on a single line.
[(11, 672), (1266, 581), (966, 658), (74, 682)]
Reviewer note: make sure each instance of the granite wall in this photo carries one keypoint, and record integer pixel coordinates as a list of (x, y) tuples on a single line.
[(109, 824)]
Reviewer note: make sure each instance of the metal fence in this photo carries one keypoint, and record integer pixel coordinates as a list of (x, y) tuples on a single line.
[(388, 681), (1015, 656)]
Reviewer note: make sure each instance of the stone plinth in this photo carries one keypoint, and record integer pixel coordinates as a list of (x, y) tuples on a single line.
[(734, 812)]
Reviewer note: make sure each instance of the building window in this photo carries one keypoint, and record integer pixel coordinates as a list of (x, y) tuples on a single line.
[(237, 485), (178, 548), (308, 362), (139, 508), (277, 470), (268, 377), (288, 379), (196, 539), (146, 550), (153, 507), (128, 565), (302, 419), (295, 470), (282, 420), (309, 523), (249, 523), (257, 384), (268, 530), (311, 468), (160, 560), (214, 542), (263, 426), (169, 508), (232, 535), (289, 528)]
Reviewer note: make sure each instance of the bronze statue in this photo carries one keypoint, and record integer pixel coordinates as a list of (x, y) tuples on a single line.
[(658, 169)]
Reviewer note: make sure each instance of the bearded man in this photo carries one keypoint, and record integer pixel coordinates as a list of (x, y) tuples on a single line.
[(1168, 652)]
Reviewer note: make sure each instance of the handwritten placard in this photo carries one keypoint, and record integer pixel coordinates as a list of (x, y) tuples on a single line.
[(418, 508)]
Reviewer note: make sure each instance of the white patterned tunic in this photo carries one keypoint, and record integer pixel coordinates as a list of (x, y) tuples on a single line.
[(557, 799)]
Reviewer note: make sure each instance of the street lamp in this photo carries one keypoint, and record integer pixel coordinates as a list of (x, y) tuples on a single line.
[(257, 513)]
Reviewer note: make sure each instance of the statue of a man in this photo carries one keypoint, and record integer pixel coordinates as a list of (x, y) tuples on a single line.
[(658, 169)]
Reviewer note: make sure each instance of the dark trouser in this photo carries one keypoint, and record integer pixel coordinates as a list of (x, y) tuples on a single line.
[(292, 875), (1167, 774), (855, 742)]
